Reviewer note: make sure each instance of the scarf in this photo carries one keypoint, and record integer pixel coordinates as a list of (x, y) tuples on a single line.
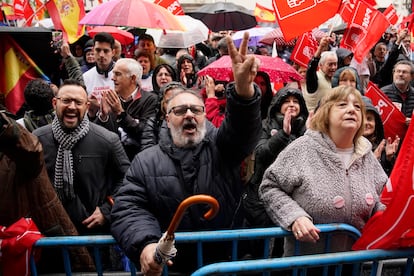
[(64, 160)]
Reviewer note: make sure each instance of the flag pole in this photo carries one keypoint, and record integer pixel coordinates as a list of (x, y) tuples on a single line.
[(333, 25)]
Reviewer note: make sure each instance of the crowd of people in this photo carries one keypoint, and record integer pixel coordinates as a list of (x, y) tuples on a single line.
[(122, 140)]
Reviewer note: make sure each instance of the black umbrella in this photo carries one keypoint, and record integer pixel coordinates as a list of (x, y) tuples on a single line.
[(221, 16)]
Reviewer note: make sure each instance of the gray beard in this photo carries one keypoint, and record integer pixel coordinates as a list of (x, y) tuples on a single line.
[(182, 141)]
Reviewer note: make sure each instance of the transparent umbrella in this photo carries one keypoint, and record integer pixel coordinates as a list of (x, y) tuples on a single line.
[(196, 32)]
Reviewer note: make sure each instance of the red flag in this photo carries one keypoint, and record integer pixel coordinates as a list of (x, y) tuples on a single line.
[(18, 69), (391, 14), (298, 16), (370, 2), (392, 117), (393, 228), (22, 9), (16, 245), (364, 30), (408, 22), (172, 6), (66, 16), (345, 11), (264, 14), (304, 50)]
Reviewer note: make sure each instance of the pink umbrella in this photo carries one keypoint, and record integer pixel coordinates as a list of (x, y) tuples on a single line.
[(132, 13), (277, 36), (275, 67)]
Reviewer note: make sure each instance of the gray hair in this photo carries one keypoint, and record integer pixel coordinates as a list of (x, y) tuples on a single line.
[(180, 91), (404, 62), (134, 68), (325, 55)]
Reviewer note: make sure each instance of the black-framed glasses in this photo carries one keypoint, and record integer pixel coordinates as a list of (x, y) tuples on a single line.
[(181, 110), (68, 101)]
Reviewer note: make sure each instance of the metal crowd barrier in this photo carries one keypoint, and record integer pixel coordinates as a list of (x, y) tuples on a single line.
[(199, 238), (300, 264)]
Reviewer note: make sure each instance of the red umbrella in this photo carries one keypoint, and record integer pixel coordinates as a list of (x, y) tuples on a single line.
[(132, 13), (277, 36), (275, 67), (122, 36)]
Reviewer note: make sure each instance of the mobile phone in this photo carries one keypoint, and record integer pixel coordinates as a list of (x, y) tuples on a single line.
[(57, 40)]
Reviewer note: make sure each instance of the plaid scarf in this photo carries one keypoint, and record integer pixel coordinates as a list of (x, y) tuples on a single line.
[(64, 160)]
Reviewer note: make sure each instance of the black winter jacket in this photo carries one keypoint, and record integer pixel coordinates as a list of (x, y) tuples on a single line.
[(161, 177), (394, 95)]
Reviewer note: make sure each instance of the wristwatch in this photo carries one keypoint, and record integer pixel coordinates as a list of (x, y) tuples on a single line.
[(121, 116)]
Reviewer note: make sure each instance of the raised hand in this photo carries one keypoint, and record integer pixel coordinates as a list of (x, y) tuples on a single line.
[(245, 67)]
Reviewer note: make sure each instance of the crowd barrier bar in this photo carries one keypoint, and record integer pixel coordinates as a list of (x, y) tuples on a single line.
[(199, 237), (302, 263)]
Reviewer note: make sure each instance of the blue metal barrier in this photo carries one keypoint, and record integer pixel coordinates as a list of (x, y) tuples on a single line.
[(302, 263), (200, 237)]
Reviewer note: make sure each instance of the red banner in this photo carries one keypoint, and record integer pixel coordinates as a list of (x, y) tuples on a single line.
[(391, 14), (66, 16), (264, 14), (297, 17), (364, 30), (394, 227), (22, 9), (18, 69), (172, 6), (304, 50), (392, 118)]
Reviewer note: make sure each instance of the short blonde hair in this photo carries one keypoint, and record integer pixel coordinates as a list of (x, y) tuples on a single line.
[(320, 120)]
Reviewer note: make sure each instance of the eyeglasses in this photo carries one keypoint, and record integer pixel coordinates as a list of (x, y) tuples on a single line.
[(181, 110), (68, 101), (405, 72)]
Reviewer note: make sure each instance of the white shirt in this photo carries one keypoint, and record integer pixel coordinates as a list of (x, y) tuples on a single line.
[(96, 83)]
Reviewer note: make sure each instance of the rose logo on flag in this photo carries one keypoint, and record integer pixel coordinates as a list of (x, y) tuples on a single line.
[(293, 3), (308, 52)]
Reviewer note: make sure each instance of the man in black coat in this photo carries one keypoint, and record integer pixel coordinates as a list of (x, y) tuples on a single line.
[(192, 157), (85, 162), (400, 92)]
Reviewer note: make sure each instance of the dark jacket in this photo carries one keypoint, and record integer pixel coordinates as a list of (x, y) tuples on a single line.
[(272, 141), (383, 76), (162, 176), (99, 164), (394, 95), (137, 111)]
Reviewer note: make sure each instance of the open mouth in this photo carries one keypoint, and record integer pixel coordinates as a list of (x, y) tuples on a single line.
[(190, 127)]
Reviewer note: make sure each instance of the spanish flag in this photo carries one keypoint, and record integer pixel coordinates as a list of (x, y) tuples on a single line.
[(264, 14), (66, 15), (18, 69)]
